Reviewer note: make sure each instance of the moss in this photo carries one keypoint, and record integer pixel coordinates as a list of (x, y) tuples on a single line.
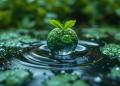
[(111, 50), (66, 80), (66, 39), (61, 40), (15, 77)]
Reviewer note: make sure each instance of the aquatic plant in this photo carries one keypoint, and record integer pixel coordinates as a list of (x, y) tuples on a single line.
[(115, 73), (66, 80), (62, 40), (16, 77), (111, 50)]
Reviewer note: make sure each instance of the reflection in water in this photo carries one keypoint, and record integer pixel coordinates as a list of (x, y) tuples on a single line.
[(42, 58)]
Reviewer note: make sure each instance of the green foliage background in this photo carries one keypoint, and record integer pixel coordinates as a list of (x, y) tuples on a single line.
[(35, 13)]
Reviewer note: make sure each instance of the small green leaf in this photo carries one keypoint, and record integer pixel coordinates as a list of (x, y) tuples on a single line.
[(56, 23), (69, 24)]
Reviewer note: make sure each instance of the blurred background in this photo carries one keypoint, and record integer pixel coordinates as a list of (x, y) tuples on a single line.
[(33, 14), (24, 26)]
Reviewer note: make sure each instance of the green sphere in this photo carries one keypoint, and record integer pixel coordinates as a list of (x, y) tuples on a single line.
[(62, 41)]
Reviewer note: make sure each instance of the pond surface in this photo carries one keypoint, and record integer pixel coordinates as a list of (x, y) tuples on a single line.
[(86, 61)]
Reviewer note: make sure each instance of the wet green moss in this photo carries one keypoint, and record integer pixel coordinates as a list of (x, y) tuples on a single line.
[(62, 39), (59, 39), (16, 77), (66, 80), (111, 50)]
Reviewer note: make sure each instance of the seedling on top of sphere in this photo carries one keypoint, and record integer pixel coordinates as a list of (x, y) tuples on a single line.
[(62, 40)]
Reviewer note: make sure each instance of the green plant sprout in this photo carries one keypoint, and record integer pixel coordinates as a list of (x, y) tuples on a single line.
[(62, 39), (111, 50), (66, 80), (16, 77)]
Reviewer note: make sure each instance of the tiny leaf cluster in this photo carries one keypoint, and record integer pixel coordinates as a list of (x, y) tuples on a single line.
[(58, 24)]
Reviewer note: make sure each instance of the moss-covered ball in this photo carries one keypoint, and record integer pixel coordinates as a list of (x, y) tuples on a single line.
[(62, 41)]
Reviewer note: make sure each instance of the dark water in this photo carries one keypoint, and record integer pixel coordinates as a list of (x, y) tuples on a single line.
[(87, 62), (85, 54), (39, 60)]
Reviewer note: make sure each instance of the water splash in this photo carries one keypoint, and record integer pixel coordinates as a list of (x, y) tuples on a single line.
[(42, 58)]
